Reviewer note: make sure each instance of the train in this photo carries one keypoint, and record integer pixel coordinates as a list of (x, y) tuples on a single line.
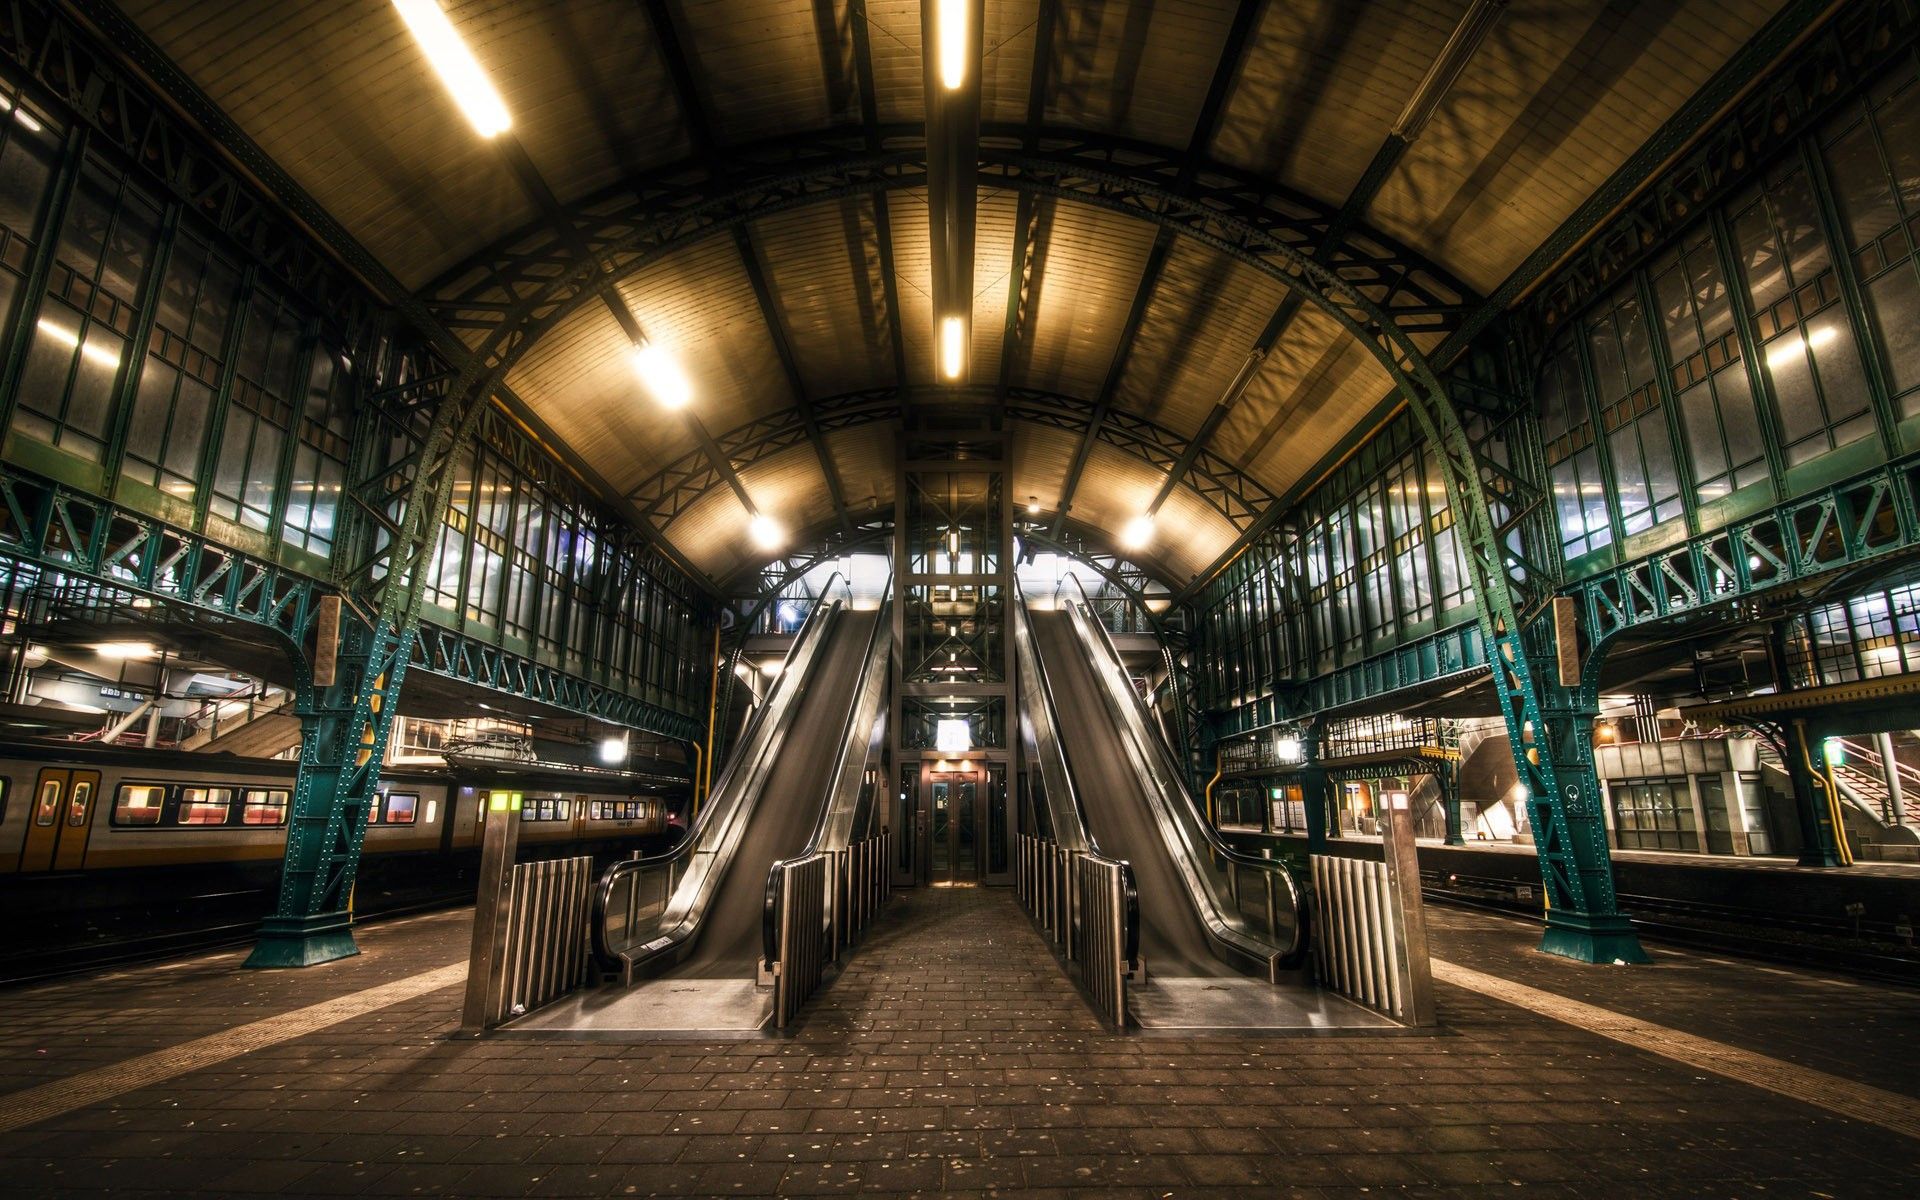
[(109, 853)]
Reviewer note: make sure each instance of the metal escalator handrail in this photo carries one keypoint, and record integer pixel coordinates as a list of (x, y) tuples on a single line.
[(1155, 747), (1044, 687), (753, 755), (849, 730)]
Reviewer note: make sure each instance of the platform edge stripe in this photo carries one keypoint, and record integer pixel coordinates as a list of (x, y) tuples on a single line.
[(44, 1101), (1892, 1111)]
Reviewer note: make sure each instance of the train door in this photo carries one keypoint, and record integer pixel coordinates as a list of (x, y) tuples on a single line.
[(60, 819)]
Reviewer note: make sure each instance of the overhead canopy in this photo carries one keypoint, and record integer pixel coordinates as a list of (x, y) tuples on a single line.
[(1552, 101)]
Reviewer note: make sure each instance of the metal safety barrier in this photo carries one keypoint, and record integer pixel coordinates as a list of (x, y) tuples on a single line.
[(1101, 933), (530, 931), (816, 904), (801, 936), (546, 933), (1087, 905), (1370, 943)]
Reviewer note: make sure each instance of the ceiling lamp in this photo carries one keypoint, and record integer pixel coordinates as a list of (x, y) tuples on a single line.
[(953, 348), (1137, 534), (456, 66), (767, 533), (950, 25), (124, 649), (661, 375), (613, 751)]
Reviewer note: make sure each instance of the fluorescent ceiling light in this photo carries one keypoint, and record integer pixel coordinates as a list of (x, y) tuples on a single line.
[(456, 66), (953, 347), (766, 532), (20, 114), (950, 21), (613, 750), (1137, 533), (661, 375), (124, 649)]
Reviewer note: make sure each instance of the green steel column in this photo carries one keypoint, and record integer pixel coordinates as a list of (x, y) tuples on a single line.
[(1313, 793), (343, 739), (1813, 799), (1584, 921), (1447, 775)]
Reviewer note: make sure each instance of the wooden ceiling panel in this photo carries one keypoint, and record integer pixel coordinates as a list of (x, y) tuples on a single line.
[(759, 64), (863, 455), (1135, 67), (893, 41), (1343, 386), (1042, 455), (1322, 84), (1189, 534), (579, 379), (1554, 101), (340, 96), (1094, 261), (823, 267), (1261, 412), (992, 268), (1207, 312), (913, 273)]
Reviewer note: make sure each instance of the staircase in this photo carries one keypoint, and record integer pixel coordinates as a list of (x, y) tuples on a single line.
[(1860, 779), (249, 728)]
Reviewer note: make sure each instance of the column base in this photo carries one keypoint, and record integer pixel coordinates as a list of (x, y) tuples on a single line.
[(1825, 856), (303, 941), (1591, 939)]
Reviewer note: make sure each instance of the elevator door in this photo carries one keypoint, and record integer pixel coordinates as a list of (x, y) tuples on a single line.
[(953, 850)]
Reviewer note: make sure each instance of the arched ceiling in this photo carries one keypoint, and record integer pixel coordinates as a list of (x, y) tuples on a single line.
[(1280, 108)]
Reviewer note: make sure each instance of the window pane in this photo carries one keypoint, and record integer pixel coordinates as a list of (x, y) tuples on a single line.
[(204, 806), (264, 807), (138, 804)]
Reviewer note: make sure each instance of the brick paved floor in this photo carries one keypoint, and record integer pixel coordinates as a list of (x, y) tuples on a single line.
[(952, 1055)]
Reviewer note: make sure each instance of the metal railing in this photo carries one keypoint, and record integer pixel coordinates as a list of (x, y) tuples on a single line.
[(796, 933), (546, 932), (1252, 907), (646, 907), (816, 903), (1371, 932), (1106, 916)]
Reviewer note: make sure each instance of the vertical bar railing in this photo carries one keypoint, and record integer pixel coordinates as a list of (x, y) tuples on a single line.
[(1371, 940)]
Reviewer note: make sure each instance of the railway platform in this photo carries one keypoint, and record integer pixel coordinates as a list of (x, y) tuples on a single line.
[(953, 1056)]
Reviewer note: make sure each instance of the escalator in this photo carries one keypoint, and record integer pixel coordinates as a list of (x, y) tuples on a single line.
[(1216, 928), (684, 932)]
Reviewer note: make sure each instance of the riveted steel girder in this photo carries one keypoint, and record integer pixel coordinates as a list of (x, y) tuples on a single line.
[(668, 492)]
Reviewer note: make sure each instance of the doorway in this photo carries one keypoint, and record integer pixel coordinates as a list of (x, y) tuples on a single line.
[(953, 825)]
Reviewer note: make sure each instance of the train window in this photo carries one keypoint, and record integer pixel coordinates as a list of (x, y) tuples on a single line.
[(400, 807), (137, 804), (204, 806), (49, 805), (595, 811), (264, 807), (79, 802)]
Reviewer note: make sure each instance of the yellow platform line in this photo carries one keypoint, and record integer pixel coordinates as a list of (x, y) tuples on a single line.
[(1844, 1097), (35, 1104)]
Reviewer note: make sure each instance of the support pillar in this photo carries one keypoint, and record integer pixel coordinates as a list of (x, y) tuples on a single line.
[(1313, 797), (1896, 793), (343, 740), (1447, 775), (1584, 921), (1815, 799)]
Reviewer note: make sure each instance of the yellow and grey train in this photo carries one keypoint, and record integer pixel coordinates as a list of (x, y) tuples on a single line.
[(108, 853)]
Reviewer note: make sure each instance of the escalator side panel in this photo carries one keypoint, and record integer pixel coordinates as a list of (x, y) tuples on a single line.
[(1173, 939), (728, 942)]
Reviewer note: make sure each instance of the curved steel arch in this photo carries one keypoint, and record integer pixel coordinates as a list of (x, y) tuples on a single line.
[(829, 541), (505, 311), (669, 491)]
